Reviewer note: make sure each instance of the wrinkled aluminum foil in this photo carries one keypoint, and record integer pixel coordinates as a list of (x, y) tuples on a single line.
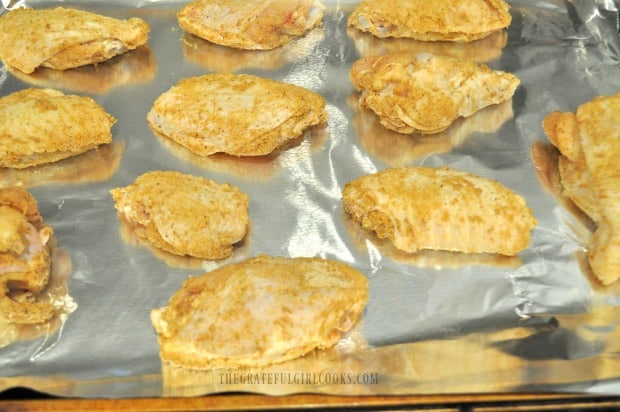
[(436, 322)]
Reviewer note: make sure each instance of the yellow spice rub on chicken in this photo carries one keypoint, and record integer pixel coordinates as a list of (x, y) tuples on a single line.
[(425, 93), (64, 38), (440, 208), (445, 20), (589, 143), (250, 24), (24, 258), (40, 126), (242, 115), (184, 214), (260, 311)]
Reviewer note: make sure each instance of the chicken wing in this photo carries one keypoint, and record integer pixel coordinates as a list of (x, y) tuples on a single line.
[(242, 115), (440, 208), (446, 20), (589, 141), (260, 311), (62, 38), (250, 24), (40, 126), (425, 93), (184, 214), (24, 258)]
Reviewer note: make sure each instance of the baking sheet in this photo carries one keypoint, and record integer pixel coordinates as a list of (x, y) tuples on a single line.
[(435, 323)]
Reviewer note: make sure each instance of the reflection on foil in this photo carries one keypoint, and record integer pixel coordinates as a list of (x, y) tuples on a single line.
[(294, 376), (57, 294), (138, 66), (359, 369), (93, 166), (436, 259), (397, 149), (248, 167), (252, 167), (226, 59), (128, 233), (546, 162), (483, 50), (53, 384), (581, 339)]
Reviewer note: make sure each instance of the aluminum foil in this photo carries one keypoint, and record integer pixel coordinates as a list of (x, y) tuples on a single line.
[(436, 322)]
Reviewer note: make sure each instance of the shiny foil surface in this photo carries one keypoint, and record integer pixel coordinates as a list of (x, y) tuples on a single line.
[(436, 322)]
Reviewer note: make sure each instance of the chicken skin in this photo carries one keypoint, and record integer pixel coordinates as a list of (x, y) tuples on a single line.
[(62, 38), (242, 115), (40, 126), (260, 311), (589, 143), (250, 25), (24, 258), (184, 214), (440, 208), (425, 93), (446, 20)]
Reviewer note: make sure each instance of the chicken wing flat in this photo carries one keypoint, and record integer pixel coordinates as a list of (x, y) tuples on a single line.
[(425, 93), (62, 38), (589, 143), (184, 214), (440, 208), (242, 115), (447, 20), (40, 126), (250, 25), (260, 311), (24, 258)]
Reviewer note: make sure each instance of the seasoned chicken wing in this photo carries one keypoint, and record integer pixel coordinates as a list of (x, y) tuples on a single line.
[(260, 311), (440, 208), (241, 115), (54, 296), (62, 38), (446, 20), (250, 24), (425, 93), (24, 258), (184, 214), (589, 141), (40, 126)]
